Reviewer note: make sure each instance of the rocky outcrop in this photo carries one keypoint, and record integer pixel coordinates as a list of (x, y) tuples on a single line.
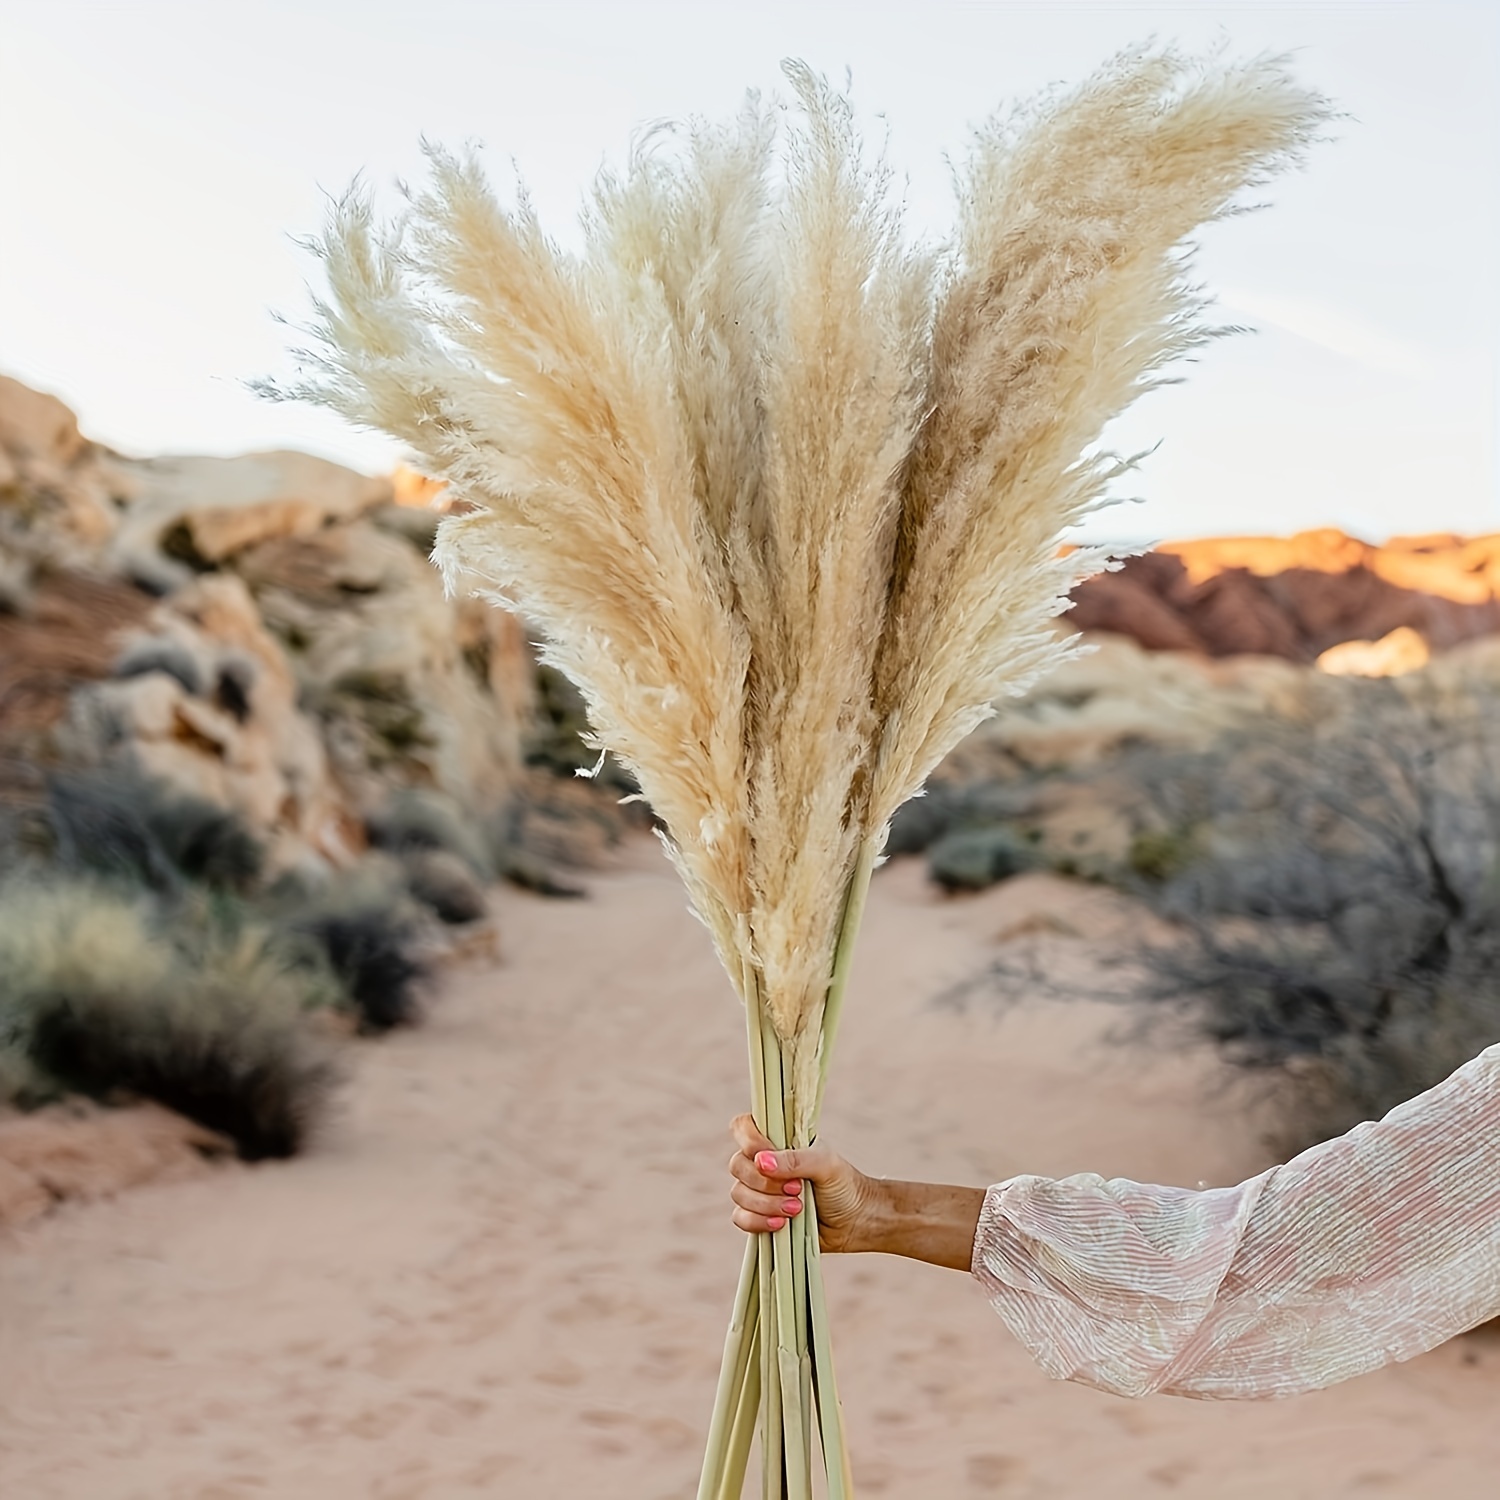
[(408, 687), (1393, 655), (203, 511), (204, 698), (1116, 695), (1296, 597), (264, 632), (59, 493)]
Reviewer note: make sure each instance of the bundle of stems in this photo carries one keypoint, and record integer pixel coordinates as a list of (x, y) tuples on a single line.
[(784, 491)]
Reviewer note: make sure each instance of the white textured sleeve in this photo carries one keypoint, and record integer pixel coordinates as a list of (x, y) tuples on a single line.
[(1366, 1249)]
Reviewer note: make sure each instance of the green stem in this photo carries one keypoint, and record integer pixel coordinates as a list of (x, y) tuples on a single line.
[(830, 1410), (798, 1228), (736, 1456), (843, 959), (779, 1347), (770, 1381), (788, 1363), (738, 1348)]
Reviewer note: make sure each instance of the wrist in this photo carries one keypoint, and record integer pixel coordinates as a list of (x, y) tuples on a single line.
[(923, 1221)]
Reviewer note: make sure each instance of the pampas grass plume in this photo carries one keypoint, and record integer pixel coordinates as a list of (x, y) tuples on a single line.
[(785, 491)]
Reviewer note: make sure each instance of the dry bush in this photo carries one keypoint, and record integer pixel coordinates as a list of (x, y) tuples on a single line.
[(1335, 889), (107, 996), (120, 823), (364, 925), (420, 820), (444, 884)]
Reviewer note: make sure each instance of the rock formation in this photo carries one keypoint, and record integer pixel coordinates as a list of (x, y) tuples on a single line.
[(263, 631), (1297, 597)]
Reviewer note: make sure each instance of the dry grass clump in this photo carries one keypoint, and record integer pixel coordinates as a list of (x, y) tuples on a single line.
[(207, 1018), (785, 492)]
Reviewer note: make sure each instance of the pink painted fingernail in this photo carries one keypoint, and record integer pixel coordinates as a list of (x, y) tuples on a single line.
[(765, 1161), (791, 1206), (791, 1187), (775, 1223)]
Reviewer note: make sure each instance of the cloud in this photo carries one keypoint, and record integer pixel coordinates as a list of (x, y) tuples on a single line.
[(1333, 328)]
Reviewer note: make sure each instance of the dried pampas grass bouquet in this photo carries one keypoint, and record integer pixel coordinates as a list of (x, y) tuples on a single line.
[(785, 494)]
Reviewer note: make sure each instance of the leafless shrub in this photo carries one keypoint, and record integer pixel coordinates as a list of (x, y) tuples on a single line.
[(1335, 889)]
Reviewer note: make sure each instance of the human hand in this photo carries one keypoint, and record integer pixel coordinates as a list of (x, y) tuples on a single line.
[(767, 1188), (924, 1221)]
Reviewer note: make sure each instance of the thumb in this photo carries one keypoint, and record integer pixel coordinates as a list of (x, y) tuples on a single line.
[(809, 1162)]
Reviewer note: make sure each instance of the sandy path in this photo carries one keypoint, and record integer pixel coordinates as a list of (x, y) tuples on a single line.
[(506, 1271)]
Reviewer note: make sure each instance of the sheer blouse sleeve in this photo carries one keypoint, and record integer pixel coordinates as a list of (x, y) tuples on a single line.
[(1369, 1248)]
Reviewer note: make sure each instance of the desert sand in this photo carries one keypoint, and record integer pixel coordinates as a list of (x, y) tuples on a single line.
[(505, 1269)]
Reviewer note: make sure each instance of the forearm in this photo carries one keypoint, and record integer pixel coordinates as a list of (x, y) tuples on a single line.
[(924, 1221), (1369, 1248)]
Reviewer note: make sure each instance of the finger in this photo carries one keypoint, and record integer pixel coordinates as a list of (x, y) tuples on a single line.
[(757, 1223), (768, 1204), (810, 1161), (748, 1135), (744, 1170)]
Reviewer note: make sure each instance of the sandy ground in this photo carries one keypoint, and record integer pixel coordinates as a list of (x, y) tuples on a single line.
[(506, 1270)]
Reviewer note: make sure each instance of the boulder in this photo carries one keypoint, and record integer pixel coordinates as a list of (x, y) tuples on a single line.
[(59, 493), (203, 511), (410, 689), (1393, 655), (969, 859), (238, 740)]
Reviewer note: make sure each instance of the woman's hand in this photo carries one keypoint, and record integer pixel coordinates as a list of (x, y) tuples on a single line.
[(920, 1220), (767, 1188)]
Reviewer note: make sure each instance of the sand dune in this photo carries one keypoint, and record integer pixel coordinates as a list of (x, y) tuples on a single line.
[(505, 1271)]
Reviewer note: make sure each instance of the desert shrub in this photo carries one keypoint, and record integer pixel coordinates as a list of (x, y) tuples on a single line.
[(22, 1084), (120, 823), (1157, 854), (107, 995), (969, 859), (363, 924), (417, 819), (1336, 905), (444, 884)]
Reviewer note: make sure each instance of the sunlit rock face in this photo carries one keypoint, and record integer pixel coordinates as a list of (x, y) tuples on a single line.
[(1393, 655), (1298, 597)]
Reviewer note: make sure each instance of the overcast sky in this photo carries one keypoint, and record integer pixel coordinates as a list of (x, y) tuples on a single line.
[(159, 158)]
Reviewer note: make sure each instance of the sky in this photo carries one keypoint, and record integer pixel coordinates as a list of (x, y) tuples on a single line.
[(161, 160)]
